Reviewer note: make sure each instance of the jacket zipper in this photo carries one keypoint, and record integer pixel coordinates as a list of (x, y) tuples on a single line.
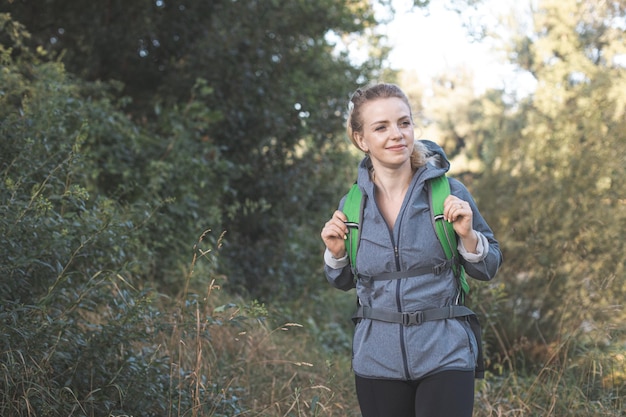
[(405, 361), (396, 253), (396, 249)]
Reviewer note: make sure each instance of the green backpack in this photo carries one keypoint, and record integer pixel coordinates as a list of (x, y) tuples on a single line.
[(439, 190)]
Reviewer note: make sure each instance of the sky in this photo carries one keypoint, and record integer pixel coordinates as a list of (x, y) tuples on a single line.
[(432, 43)]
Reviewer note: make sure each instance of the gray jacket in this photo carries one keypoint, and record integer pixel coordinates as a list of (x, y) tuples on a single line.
[(393, 350)]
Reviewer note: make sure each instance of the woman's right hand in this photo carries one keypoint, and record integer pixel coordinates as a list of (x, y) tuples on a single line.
[(335, 233)]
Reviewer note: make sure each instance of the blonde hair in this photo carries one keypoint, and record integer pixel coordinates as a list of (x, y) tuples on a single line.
[(378, 91)]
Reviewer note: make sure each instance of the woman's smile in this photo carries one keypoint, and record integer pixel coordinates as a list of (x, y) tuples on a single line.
[(396, 147)]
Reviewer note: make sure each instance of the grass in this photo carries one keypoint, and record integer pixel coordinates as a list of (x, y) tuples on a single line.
[(207, 353), (288, 370), (238, 358), (239, 365)]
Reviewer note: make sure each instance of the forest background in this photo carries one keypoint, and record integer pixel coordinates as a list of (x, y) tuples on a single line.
[(166, 167)]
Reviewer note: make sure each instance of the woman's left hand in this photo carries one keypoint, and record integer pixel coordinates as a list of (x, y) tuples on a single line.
[(459, 213)]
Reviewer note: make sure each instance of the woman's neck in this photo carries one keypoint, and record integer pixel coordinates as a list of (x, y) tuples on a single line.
[(393, 183), (391, 188)]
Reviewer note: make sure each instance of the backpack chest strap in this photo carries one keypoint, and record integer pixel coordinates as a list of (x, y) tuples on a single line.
[(437, 269), (412, 318)]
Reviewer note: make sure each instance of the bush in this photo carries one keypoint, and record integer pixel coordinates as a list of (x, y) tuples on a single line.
[(79, 335)]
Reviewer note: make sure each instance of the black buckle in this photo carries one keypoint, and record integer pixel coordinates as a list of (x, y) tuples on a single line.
[(438, 269), (411, 319), (365, 279)]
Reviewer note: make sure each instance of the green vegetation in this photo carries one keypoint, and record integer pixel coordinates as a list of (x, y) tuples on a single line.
[(165, 170)]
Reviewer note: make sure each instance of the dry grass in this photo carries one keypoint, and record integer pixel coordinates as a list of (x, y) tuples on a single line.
[(235, 363), (227, 355), (282, 371), (260, 371)]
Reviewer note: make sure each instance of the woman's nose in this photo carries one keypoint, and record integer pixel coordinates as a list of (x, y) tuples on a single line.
[(396, 132)]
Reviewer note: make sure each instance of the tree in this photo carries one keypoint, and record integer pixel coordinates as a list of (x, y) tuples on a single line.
[(555, 186), (276, 85)]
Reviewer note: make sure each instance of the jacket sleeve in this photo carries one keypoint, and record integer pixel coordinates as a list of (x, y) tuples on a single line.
[(485, 265), (338, 276)]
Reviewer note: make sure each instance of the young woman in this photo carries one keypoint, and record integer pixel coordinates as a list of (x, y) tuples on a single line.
[(424, 368)]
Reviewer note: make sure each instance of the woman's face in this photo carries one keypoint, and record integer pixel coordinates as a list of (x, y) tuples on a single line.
[(387, 132)]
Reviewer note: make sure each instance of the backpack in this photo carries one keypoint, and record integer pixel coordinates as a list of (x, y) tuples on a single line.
[(439, 189)]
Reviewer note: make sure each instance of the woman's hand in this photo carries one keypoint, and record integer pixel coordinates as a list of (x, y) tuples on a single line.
[(335, 233), (460, 214)]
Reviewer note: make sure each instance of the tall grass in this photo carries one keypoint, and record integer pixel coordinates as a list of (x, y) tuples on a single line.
[(237, 358), (302, 367), (578, 373), (207, 353)]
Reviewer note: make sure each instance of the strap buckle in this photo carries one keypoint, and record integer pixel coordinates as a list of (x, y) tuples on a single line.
[(438, 269), (411, 319)]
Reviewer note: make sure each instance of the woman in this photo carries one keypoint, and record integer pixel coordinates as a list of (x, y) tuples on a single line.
[(426, 369)]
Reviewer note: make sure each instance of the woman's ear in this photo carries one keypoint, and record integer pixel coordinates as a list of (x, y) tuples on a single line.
[(360, 140)]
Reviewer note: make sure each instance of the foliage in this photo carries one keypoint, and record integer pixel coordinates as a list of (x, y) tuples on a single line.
[(72, 142), (78, 336), (276, 85), (128, 128), (94, 198), (578, 386), (553, 187), (546, 172)]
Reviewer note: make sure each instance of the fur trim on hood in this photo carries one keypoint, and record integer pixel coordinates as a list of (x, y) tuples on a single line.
[(435, 154)]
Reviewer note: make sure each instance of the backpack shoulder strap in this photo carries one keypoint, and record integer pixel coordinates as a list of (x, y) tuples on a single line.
[(353, 209), (439, 191)]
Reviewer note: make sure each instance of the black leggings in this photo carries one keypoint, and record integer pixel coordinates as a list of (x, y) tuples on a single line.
[(444, 394)]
